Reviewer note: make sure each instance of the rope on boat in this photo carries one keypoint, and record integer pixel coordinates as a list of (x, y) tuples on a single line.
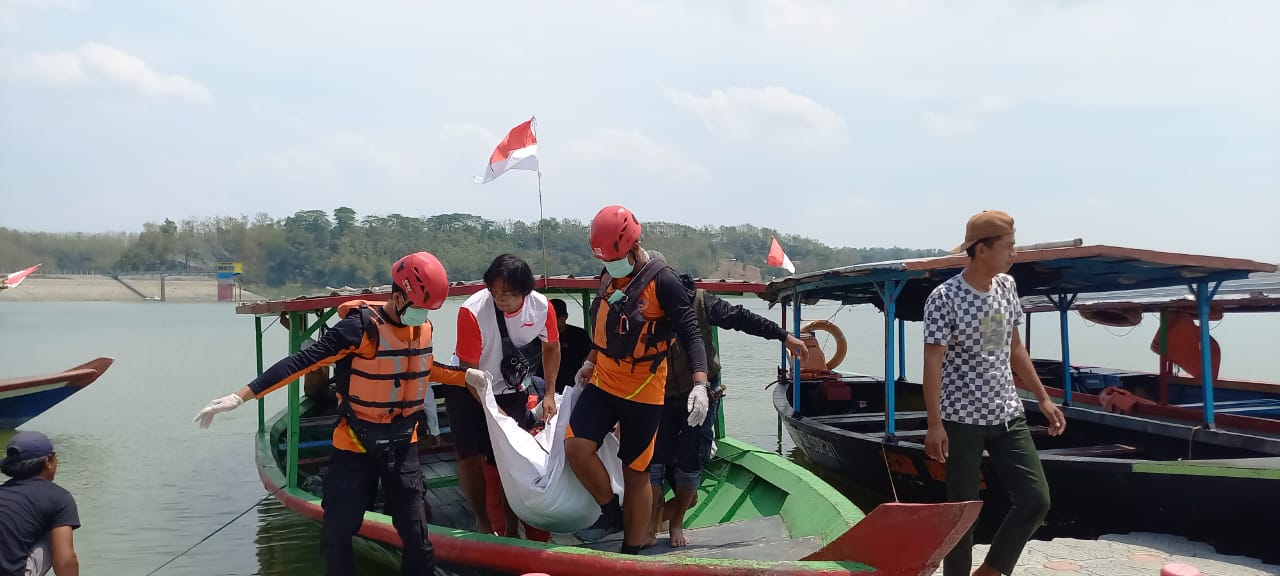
[(212, 534), (888, 472)]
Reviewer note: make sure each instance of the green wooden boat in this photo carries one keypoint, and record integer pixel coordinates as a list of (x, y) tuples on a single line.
[(756, 513)]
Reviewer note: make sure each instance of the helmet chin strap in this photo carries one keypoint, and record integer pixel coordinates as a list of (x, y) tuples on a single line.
[(399, 310)]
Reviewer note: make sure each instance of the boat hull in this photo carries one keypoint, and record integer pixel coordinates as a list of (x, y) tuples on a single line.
[(1091, 496), (24, 398), (863, 545)]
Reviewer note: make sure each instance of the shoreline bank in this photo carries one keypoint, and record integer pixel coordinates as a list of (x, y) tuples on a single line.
[(70, 288)]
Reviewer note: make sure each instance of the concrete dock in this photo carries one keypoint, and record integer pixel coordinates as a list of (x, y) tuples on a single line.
[(1137, 554)]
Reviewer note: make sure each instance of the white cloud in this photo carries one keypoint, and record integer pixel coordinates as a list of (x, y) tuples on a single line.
[(611, 152), (990, 104), (333, 154), (769, 115), (1140, 52), (470, 133), (59, 68), (968, 121), (99, 62), (948, 123)]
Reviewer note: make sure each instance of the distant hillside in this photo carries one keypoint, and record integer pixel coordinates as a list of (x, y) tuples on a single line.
[(313, 248)]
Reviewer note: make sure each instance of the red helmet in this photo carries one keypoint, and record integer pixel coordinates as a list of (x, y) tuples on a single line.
[(422, 278), (614, 231)]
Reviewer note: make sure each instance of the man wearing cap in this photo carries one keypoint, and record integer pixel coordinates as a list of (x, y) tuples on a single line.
[(971, 351), (36, 515)]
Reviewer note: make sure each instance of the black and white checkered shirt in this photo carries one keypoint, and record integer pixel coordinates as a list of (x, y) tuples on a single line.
[(977, 329)]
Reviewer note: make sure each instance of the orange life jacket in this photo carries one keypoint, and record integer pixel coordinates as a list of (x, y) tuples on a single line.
[(381, 396)]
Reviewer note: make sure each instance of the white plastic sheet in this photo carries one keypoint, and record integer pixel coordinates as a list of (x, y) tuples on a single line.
[(539, 484)]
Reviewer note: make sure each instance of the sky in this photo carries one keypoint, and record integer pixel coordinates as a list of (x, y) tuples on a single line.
[(1145, 123)]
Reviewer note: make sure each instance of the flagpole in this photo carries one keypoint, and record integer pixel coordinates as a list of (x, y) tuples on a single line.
[(542, 227)]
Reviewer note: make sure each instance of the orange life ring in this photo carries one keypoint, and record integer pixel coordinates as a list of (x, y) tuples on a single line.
[(1118, 317), (842, 345)]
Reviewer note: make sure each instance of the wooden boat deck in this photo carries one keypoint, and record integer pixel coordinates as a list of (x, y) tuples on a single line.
[(764, 538)]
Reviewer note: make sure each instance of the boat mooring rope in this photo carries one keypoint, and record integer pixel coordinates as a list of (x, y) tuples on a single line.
[(211, 534), (887, 470)]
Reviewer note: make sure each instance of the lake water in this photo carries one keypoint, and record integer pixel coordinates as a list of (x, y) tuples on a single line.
[(150, 483)]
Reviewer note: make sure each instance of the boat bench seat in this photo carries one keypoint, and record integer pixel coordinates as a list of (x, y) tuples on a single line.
[(1101, 450)]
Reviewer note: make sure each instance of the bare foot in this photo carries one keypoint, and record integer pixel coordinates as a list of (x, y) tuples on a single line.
[(484, 526), (652, 541), (678, 538)]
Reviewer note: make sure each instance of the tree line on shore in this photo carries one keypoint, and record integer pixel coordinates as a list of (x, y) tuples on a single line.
[(314, 248)]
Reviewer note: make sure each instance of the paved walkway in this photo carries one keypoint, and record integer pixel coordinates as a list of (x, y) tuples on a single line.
[(1137, 554)]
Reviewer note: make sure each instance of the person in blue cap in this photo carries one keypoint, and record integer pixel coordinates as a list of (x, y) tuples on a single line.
[(36, 515)]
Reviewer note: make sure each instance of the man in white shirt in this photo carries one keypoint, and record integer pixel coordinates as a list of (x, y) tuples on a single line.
[(505, 330)]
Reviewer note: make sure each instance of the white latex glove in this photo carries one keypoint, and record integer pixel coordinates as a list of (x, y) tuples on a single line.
[(476, 378), (217, 406), (585, 373), (698, 405)]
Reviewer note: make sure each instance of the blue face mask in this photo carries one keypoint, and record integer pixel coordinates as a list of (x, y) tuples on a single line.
[(413, 316), (619, 268)]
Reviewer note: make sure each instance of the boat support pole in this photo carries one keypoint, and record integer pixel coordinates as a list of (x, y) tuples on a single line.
[(257, 340), (783, 346), (781, 368), (795, 360), (1026, 337), (1064, 303), (902, 349), (1204, 295), (719, 431), (297, 326), (1165, 370), (889, 292)]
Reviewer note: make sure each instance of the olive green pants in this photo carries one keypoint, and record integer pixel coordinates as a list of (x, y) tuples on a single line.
[(1016, 464)]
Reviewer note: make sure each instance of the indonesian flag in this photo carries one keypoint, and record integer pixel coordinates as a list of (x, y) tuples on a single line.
[(779, 259), (518, 151), (13, 280)]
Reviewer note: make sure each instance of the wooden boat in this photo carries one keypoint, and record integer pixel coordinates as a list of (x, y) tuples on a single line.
[(26, 397), (1172, 469), (757, 513)]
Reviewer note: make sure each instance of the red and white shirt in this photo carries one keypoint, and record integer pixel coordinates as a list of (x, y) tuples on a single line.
[(480, 342)]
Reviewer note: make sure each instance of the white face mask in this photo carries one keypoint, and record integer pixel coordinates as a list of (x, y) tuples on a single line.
[(413, 316), (619, 268)]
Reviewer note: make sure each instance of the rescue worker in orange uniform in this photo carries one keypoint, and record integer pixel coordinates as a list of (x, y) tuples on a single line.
[(384, 360), (639, 309)]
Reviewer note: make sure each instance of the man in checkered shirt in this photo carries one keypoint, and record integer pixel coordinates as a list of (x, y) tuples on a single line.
[(971, 350)]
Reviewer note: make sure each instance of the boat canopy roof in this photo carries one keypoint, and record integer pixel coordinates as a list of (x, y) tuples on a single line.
[(1258, 293), (547, 285), (1040, 271)]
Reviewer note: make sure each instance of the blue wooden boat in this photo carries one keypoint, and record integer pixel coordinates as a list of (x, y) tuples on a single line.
[(1187, 470), (1177, 381), (24, 398)]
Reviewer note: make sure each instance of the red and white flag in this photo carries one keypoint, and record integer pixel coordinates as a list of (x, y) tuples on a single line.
[(779, 258), (13, 280), (518, 151)]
